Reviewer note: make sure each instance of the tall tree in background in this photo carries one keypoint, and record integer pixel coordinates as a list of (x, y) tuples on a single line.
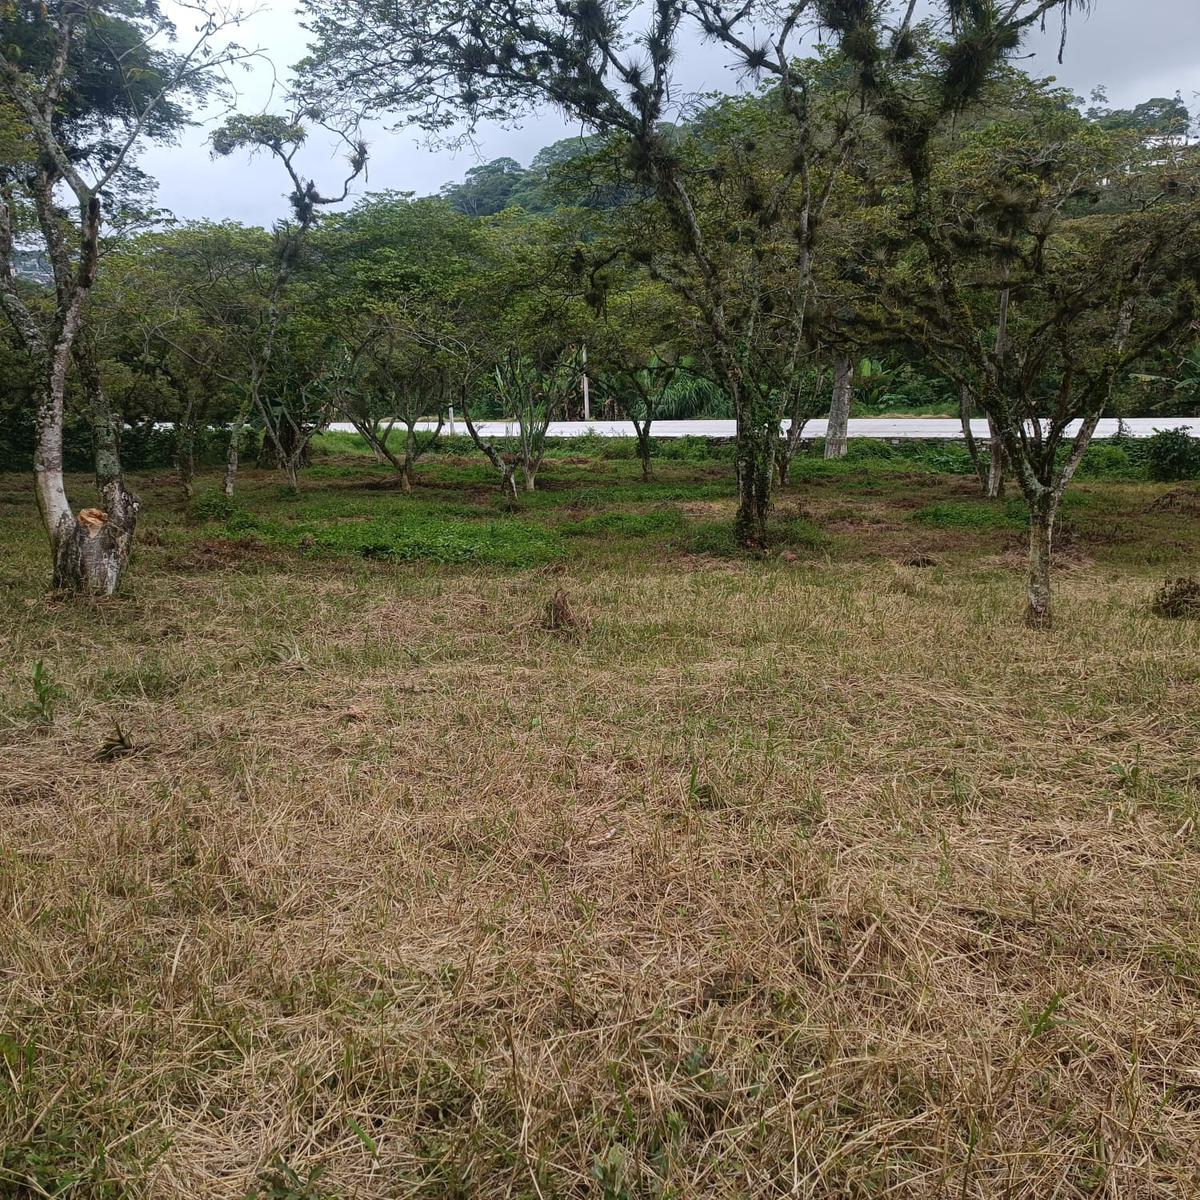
[(83, 83), (284, 417), (439, 61), (1045, 257), (443, 61)]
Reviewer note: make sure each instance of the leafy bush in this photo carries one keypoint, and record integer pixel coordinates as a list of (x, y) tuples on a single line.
[(869, 449), (713, 537), (212, 506), (1108, 461), (241, 521), (1173, 454), (797, 532)]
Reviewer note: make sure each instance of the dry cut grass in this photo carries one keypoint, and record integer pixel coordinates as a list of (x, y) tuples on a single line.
[(807, 879)]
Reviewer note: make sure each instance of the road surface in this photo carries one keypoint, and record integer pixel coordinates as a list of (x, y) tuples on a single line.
[(947, 428)]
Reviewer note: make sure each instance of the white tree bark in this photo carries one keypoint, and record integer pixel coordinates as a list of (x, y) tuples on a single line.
[(836, 440)]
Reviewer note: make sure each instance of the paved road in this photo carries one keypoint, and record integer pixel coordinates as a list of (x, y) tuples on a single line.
[(946, 428)]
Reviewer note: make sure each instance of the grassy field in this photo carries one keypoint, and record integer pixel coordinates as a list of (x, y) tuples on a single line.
[(330, 869)]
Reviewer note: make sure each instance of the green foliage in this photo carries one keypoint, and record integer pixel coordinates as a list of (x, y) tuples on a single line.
[(282, 1182), (1173, 454), (714, 538), (46, 695), (500, 543), (212, 506), (691, 397), (1109, 461), (59, 1161), (629, 525)]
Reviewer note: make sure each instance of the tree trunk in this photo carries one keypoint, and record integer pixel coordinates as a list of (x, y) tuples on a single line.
[(995, 474), (508, 483), (839, 409), (286, 448), (185, 456), (755, 471), (1038, 614), (91, 550), (529, 479), (966, 403), (406, 478), (235, 440), (643, 436)]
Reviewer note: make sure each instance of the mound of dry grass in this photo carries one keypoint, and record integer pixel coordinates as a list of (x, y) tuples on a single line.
[(1177, 598), (781, 881)]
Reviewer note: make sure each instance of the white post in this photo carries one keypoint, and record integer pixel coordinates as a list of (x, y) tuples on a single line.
[(587, 401), (452, 420)]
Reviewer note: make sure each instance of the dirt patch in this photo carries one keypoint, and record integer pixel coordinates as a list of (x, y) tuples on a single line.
[(223, 554), (704, 510)]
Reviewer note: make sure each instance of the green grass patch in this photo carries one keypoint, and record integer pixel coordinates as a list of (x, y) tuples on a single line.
[(628, 525), (499, 543), (972, 514)]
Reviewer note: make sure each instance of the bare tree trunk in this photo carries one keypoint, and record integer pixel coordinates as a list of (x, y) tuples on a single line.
[(755, 472), (644, 454), (839, 409), (529, 479), (185, 455), (1038, 613), (994, 486), (508, 482), (91, 551), (995, 478), (966, 404), (233, 449)]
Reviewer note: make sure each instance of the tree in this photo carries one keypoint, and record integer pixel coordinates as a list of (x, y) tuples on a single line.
[(534, 394), (288, 418), (169, 317), (1021, 295), (400, 374), (84, 81), (718, 253), (636, 353), (487, 189)]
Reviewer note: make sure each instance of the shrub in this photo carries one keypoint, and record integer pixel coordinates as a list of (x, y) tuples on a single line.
[(1173, 454), (1108, 461), (713, 537), (212, 506), (869, 450)]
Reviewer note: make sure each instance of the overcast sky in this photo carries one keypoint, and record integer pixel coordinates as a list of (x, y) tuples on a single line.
[(1136, 48)]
